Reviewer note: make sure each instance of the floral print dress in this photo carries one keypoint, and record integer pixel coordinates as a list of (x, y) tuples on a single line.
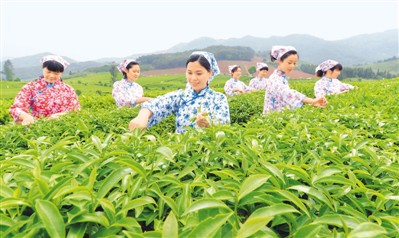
[(258, 83), (186, 105), (326, 86), (235, 83), (126, 93), (42, 99), (279, 95)]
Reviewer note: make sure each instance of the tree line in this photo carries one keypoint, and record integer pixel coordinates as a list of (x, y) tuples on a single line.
[(8, 71), (176, 60)]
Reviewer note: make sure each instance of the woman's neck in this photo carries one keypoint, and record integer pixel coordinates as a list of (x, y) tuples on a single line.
[(280, 69), (130, 80), (328, 75), (199, 90)]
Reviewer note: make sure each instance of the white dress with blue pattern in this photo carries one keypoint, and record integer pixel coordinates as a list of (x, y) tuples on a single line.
[(186, 104)]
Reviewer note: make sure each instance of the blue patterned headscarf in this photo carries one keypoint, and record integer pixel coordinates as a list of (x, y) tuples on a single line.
[(212, 61)]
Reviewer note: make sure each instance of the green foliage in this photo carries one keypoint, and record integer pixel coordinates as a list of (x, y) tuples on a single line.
[(176, 60), (309, 172), (252, 70), (113, 71), (8, 69)]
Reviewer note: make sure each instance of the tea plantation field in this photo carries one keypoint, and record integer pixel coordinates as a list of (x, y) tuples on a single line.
[(311, 172)]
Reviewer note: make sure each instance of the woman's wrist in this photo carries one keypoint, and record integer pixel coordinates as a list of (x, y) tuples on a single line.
[(24, 116), (310, 101), (145, 114)]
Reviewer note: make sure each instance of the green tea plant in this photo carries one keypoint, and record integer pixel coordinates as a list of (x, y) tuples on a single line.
[(309, 172)]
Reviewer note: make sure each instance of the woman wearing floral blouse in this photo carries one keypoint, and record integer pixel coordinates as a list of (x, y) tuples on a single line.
[(197, 107), (48, 96), (234, 86), (278, 94), (259, 82), (127, 92), (329, 71)]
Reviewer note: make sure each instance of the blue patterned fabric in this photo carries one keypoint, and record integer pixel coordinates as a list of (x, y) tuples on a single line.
[(212, 61), (186, 105)]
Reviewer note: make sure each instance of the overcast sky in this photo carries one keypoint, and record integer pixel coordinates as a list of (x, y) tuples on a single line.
[(88, 29)]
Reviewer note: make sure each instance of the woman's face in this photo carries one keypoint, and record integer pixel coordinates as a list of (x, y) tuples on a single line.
[(237, 73), (262, 73), (51, 76), (197, 76), (133, 73), (335, 73), (288, 64), (332, 74)]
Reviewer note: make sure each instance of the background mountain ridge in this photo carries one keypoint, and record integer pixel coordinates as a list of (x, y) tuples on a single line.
[(356, 50)]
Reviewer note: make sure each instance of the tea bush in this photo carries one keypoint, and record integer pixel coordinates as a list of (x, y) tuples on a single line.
[(309, 172)]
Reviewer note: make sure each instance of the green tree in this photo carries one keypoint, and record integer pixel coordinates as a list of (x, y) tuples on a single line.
[(252, 70), (8, 69), (113, 72)]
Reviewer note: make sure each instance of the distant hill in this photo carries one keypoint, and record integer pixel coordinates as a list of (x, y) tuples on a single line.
[(390, 65), (175, 60), (357, 50), (34, 60), (29, 67), (34, 72), (119, 59), (361, 49)]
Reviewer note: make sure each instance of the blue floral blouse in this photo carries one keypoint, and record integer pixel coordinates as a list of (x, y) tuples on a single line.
[(186, 105)]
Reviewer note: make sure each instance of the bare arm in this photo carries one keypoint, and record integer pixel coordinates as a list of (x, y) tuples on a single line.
[(141, 120), (142, 99), (317, 102)]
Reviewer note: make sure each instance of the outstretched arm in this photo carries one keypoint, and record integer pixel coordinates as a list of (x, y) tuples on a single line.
[(317, 102), (141, 120)]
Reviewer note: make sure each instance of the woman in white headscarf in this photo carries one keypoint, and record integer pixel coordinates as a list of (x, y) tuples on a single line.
[(127, 92), (234, 86), (278, 94), (197, 106), (329, 71), (259, 82), (48, 96)]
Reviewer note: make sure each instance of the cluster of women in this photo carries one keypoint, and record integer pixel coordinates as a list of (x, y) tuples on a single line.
[(197, 106)]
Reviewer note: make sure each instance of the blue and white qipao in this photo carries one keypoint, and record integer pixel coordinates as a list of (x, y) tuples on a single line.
[(186, 104)]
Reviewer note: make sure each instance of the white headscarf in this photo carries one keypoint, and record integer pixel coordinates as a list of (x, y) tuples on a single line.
[(123, 64), (231, 67), (261, 65), (279, 50), (56, 58), (326, 65)]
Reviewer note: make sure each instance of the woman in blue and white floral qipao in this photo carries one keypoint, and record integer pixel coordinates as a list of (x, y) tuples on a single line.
[(197, 107)]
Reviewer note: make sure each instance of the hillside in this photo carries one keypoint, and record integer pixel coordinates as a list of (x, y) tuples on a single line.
[(354, 51), (389, 65), (34, 60), (361, 49)]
